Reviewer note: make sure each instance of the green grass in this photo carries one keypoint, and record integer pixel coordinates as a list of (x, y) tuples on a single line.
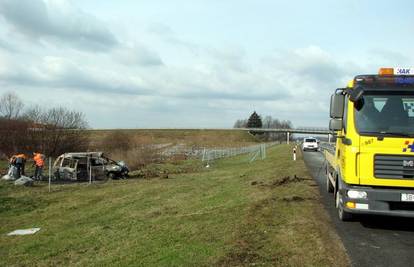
[(232, 214), (3, 166)]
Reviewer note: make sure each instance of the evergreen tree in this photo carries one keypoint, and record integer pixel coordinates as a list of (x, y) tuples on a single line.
[(254, 121)]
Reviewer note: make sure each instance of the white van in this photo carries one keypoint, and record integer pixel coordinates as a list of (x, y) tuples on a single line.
[(310, 143)]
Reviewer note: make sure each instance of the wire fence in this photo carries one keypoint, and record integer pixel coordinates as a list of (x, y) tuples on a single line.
[(58, 170), (256, 151)]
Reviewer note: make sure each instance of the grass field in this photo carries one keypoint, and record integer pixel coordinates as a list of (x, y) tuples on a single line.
[(199, 138), (231, 214)]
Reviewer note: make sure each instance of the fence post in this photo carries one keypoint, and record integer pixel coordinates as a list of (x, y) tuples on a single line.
[(89, 169), (294, 154), (264, 151), (50, 171)]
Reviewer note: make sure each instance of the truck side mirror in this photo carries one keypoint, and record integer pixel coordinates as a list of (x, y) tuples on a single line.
[(335, 124), (337, 106), (356, 94)]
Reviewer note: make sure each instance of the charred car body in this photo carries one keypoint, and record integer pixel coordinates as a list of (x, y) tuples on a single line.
[(88, 165)]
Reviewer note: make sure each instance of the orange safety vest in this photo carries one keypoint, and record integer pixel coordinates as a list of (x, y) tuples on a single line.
[(38, 159)]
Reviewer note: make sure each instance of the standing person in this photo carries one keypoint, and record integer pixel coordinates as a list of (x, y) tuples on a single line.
[(12, 167), (12, 160), (39, 162), (20, 161)]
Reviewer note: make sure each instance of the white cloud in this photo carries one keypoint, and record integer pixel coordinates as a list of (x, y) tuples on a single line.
[(284, 82), (138, 55), (57, 21), (170, 82)]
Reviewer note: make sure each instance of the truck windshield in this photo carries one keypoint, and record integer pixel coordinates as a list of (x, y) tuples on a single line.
[(381, 114)]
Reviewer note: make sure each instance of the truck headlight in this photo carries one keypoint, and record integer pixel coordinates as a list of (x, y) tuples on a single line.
[(356, 194)]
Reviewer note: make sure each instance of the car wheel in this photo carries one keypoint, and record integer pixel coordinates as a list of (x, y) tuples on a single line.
[(111, 175)]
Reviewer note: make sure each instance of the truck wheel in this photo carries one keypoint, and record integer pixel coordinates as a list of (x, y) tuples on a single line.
[(329, 186), (342, 214)]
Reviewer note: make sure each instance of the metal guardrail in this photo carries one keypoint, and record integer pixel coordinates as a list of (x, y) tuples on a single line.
[(327, 146), (304, 130), (289, 130)]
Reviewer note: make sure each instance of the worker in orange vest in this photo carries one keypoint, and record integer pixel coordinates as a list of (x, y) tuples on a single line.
[(39, 162)]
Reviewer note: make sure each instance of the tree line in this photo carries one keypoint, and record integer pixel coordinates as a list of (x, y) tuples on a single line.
[(268, 122), (52, 131)]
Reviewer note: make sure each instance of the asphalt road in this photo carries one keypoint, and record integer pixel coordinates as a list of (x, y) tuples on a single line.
[(369, 240)]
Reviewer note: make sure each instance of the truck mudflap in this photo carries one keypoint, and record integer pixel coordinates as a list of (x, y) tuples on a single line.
[(378, 201)]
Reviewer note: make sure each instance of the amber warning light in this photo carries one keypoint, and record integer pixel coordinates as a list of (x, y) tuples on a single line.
[(396, 71)]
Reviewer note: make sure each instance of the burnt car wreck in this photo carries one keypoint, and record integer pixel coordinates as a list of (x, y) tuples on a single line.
[(84, 166)]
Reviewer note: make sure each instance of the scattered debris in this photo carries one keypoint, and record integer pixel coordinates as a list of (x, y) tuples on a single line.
[(7, 178), (297, 198), (11, 174), (30, 231), (280, 182), (24, 180), (286, 180), (257, 182)]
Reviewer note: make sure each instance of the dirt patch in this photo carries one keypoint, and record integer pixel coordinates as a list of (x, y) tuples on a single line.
[(164, 170), (287, 180), (244, 257), (297, 199), (145, 173), (165, 211), (281, 181)]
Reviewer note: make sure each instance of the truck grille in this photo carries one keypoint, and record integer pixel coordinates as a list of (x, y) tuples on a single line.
[(394, 167)]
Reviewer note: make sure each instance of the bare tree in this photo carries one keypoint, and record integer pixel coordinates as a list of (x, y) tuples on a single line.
[(240, 124), (13, 136), (267, 122), (62, 130), (10, 105), (55, 131), (33, 114)]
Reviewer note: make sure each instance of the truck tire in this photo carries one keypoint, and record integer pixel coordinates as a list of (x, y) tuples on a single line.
[(329, 186), (342, 214)]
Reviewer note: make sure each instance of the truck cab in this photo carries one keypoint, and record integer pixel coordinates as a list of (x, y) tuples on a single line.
[(372, 169)]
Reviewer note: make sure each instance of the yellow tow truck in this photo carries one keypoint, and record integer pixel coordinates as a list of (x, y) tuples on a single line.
[(371, 170)]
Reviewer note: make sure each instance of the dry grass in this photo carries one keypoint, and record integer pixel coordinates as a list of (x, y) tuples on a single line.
[(140, 147), (137, 158), (190, 138)]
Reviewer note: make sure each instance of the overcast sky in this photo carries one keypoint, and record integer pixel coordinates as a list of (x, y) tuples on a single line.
[(193, 63)]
